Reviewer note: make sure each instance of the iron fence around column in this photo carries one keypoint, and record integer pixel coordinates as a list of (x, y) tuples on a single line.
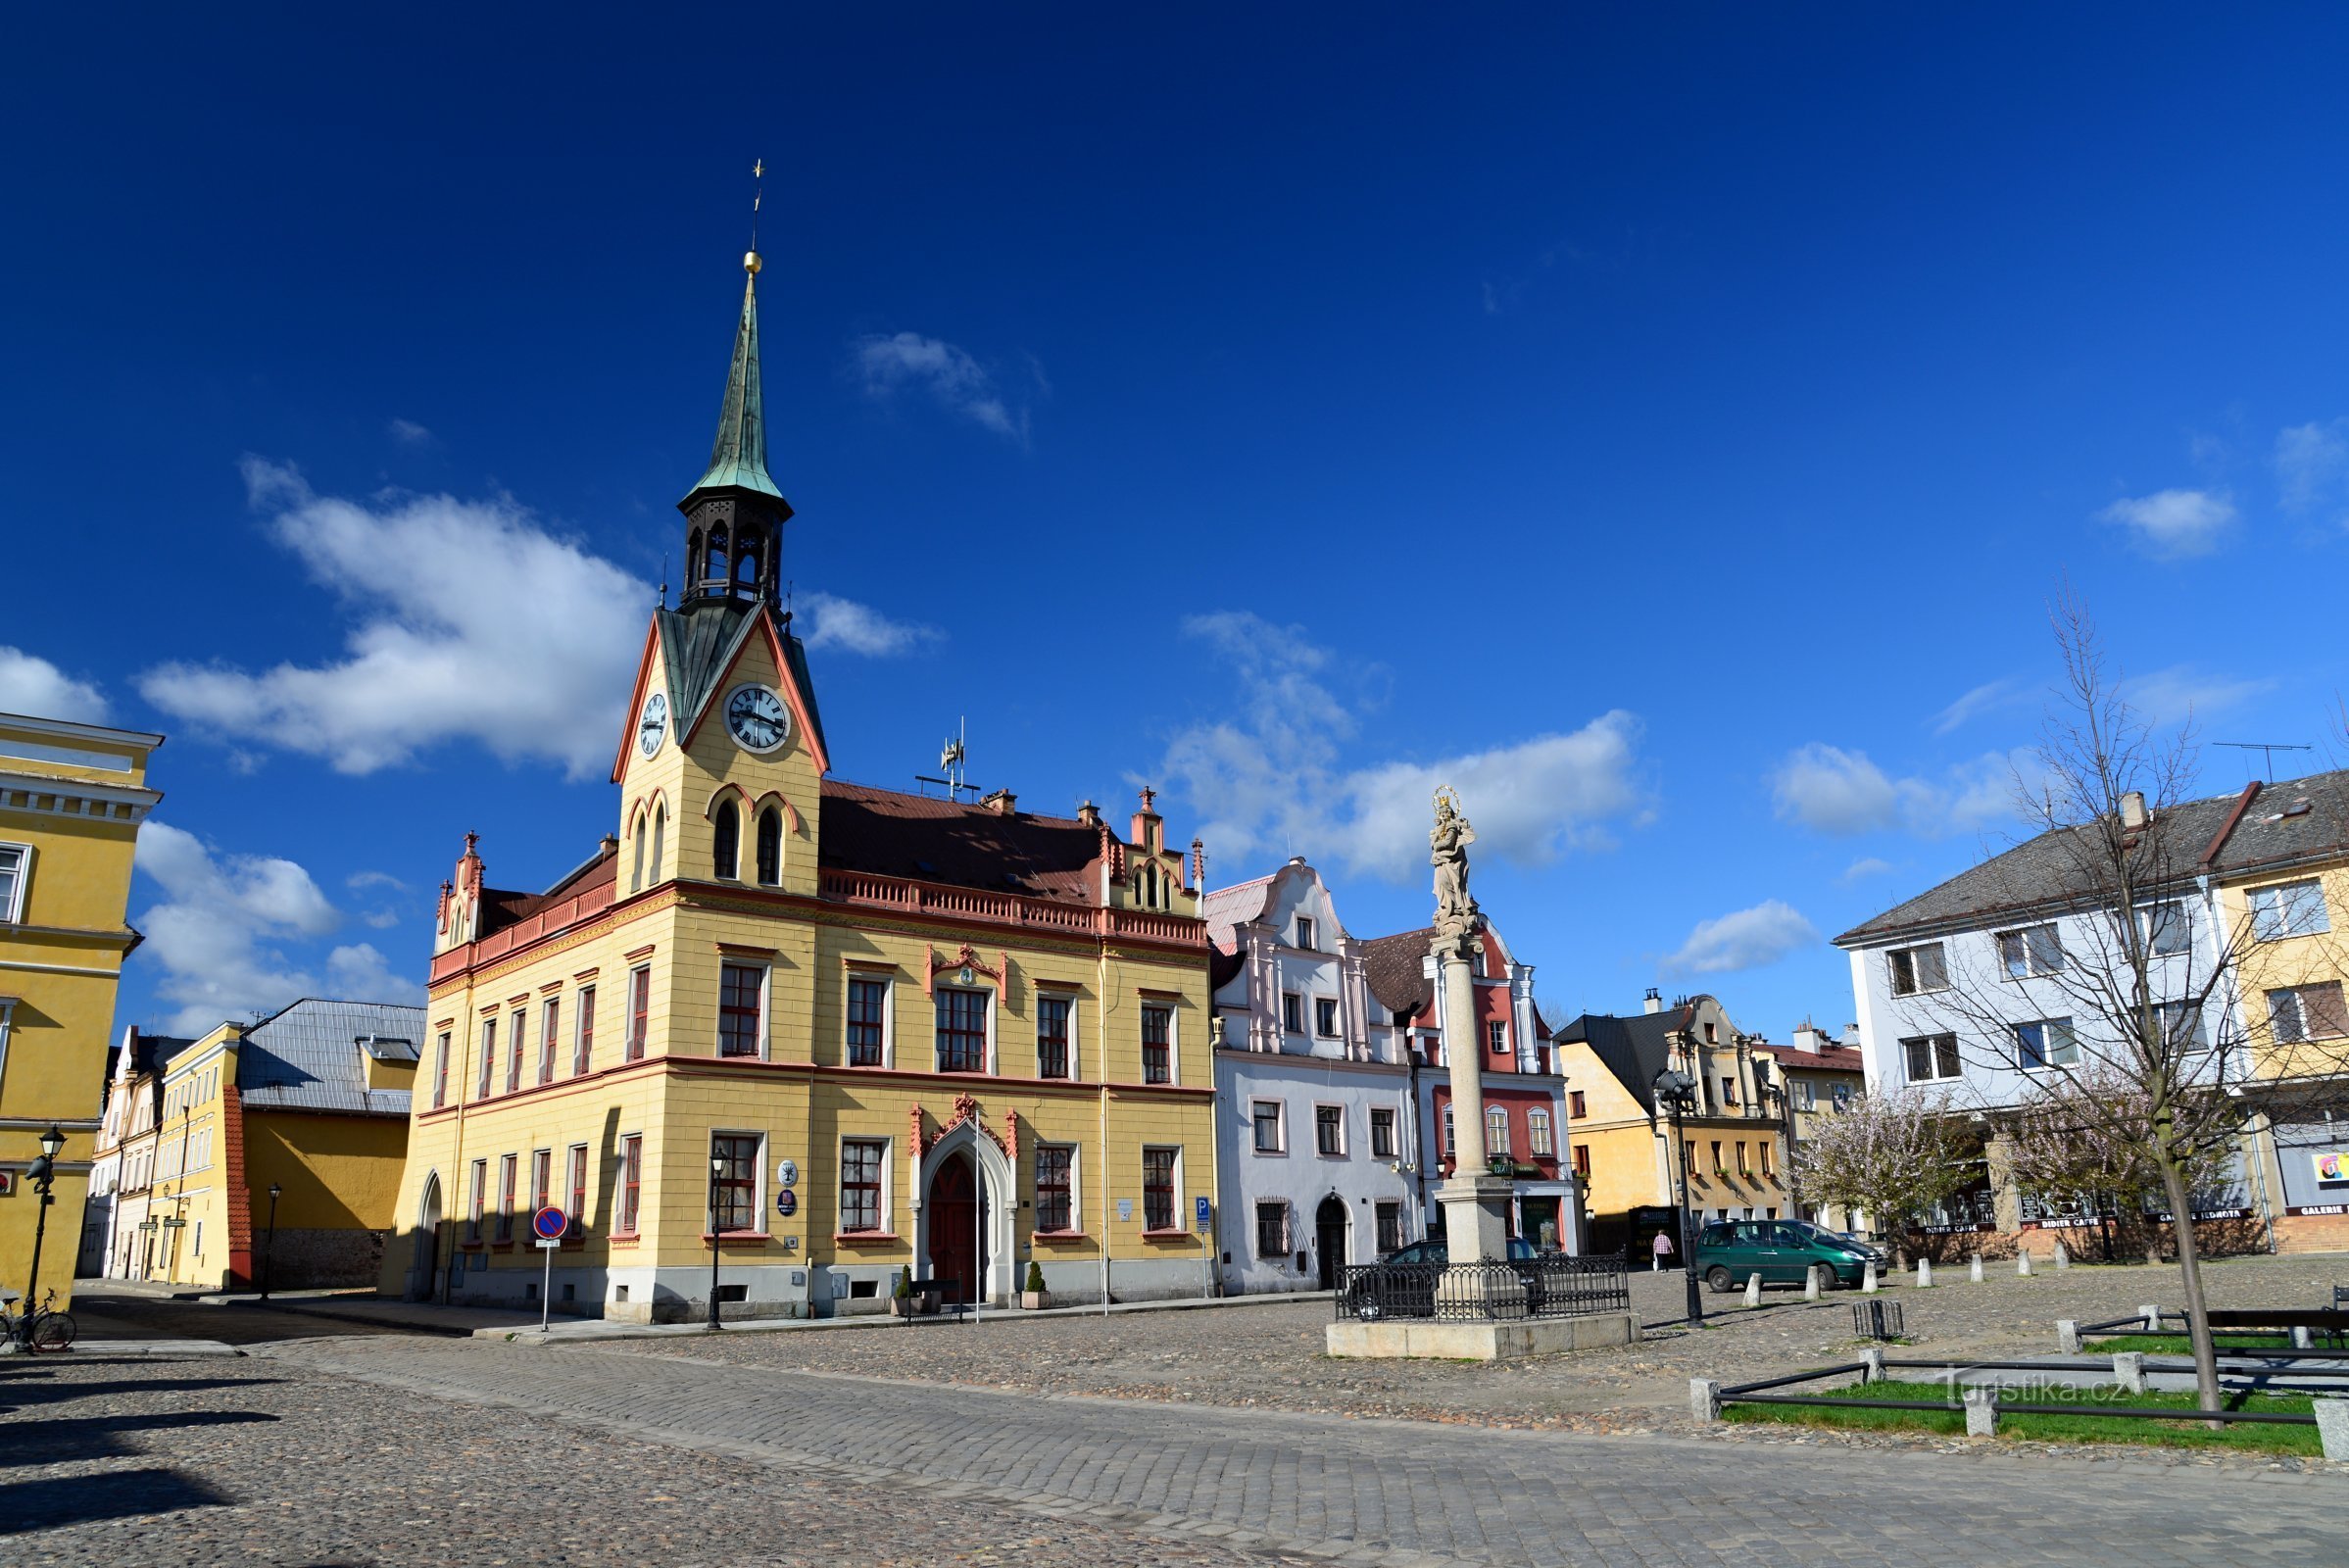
[(1510, 1292)]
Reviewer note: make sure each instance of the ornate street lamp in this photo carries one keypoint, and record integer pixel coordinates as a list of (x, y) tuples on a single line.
[(45, 1179), (718, 1168), (269, 1259), (1678, 1092)]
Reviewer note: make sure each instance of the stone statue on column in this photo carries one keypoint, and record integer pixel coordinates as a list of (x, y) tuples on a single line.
[(1475, 1202), (1457, 913)]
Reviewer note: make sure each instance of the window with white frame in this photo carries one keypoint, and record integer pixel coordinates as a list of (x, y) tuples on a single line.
[(2045, 1042), (1924, 967), (1293, 1012), (2033, 950), (2307, 1013), (16, 871), (489, 1055), (1157, 1043), (1266, 1117), (734, 1186), (864, 1166), (1537, 1131), (1161, 1186), (961, 1030), (2182, 1025), (518, 1031), (1304, 932), (1057, 1188), (1806, 1095), (1497, 1129), (2163, 927), (1497, 1036), (2289, 909), (1272, 1230), (1325, 1017), (1329, 1131), (1055, 1020), (1451, 1146), (740, 1010), (584, 1032), (1931, 1057), (1390, 1227), (868, 1021), (1382, 1133)]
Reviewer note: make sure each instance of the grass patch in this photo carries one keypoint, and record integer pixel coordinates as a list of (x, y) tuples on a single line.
[(2179, 1343), (2258, 1437)]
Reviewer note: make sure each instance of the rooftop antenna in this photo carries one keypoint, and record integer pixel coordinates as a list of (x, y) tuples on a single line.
[(664, 580), (2269, 748), (758, 189), (950, 764)]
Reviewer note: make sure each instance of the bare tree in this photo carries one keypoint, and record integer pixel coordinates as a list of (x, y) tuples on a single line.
[(2088, 1140), (1893, 1155)]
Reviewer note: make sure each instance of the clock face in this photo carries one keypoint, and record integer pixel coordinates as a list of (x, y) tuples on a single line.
[(757, 718), (654, 725)]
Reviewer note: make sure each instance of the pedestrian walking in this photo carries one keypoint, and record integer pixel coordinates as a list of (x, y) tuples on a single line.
[(1663, 1249)]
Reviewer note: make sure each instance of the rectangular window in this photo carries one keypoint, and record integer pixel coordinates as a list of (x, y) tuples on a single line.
[(738, 992), (1304, 933), (1497, 1129), (2033, 950), (1497, 1036), (1576, 1106), (862, 1161), (1451, 1146), (575, 1211), (961, 1030), (1768, 1156), (549, 1034), (13, 858), (1382, 1134), (734, 1193), (1841, 1092), (1325, 1017), (583, 1042), (1582, 1163), (1056, 1188), (1052, 1036), (1931, 1057), (1717, 1169), (542, 1176), (440, 1071), (1157, 1189), (489, 1056), (518, 1030), (1267, 1116), (1157, 1037), (2288, 909), (1391, 1227), (2048, 1043), (1729, 1091), (1918, 969), (640, 1007), (868, 1000), (1272, 1230), (1805, 1094), (632, 1173), (506, 1170), (1743, 1168), (2182, 1025), (2307, 1013), (1537, 1130), (2163, 927), (1293, 1012), (1328, 1129)]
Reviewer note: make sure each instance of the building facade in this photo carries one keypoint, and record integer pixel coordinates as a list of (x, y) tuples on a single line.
[(1734, 1149), (816, 1034), (72, 799), (1317, 1138), (1526, 1122), (1820, 1078), (122, 1168)]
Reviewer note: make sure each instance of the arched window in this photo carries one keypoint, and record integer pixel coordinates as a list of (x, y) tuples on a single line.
[(771, 847), (746, 561), (725, 844), (659, 836), (636, 877), (714, 569)]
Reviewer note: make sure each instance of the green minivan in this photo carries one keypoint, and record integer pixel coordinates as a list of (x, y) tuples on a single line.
[(1784, 1252)]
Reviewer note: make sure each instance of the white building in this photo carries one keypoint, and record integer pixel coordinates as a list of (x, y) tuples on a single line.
[(1317, 1142)]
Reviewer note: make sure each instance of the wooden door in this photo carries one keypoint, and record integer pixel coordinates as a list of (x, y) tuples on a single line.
[(955, 1214)]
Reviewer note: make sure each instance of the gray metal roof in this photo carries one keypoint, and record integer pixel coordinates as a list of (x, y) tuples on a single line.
[(309, 1056)]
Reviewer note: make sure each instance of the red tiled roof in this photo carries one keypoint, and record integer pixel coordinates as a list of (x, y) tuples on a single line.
[(1834, 1058), (891, 833), (1392, 966)]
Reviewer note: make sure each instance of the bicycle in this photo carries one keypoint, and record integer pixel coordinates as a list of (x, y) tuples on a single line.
[(52, 1330)]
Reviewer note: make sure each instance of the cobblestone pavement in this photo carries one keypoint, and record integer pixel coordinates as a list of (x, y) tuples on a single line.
[(1389, 1491), (136, 1462), (1272, 1355)]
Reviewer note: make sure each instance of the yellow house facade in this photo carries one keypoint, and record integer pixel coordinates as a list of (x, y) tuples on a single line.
[(1820, 1079), (72, 799), (816, 1033)]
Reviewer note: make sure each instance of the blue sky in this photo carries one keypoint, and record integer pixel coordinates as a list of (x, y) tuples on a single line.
[(1668, 424)]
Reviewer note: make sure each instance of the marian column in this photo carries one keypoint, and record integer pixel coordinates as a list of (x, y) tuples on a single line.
[(1476, 1204)]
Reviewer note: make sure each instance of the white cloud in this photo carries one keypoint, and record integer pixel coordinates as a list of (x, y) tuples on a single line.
[(1989, 698), (220, 931), (409, 433), (359, 973), (1272, 778), (1838, 792), (1747, 938), (2311, 467), (2173, 525), (38, 689), (2181, 692), (381, 919), (358, 880), (856, 628), (1863, 868), (472, 622), (892, 363)]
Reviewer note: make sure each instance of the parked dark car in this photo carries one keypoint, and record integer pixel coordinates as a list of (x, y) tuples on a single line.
[(1784, 1252), (1403, 1284)]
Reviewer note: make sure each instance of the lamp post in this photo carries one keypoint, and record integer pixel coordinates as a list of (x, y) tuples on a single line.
[(44, 1180), (269, 1259), (718, 1168), (1678, 1091)]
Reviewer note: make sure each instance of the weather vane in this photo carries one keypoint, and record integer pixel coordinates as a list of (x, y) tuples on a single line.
[(757, 191)]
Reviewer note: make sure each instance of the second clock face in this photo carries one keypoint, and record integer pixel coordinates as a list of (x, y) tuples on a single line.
[(757, 718), (653, 726)]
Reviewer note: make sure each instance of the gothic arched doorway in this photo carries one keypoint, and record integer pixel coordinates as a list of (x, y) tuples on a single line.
[(958, 1216), (1328, 1238), (423, 1269)]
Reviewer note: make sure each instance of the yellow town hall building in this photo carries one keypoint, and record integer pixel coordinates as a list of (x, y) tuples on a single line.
[(846, 1030)]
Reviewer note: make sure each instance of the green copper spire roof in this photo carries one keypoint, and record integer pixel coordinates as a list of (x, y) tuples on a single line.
[(738, 458)]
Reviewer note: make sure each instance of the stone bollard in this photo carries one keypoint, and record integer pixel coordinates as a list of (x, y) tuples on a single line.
[(1704, 1400), (1868, 1285), (1873, 1370), (2153, 1318), (2063, 1256), (1810, 1285), (2129, 1370), (2022, 1262), (2066, 1335), (1974, 1269), (1924, 1274), (1982, 1412), (2332, 1427), (1753, 1290), (2304, 1339)]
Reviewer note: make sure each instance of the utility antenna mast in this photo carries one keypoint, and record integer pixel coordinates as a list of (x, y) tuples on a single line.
[(2269, 748), (950, 764)]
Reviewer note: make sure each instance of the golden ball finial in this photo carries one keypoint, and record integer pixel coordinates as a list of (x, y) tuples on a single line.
[(751, 263)]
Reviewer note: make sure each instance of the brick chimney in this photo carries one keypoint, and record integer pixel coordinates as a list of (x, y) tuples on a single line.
[(1654, 1002), (1002, 803)]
